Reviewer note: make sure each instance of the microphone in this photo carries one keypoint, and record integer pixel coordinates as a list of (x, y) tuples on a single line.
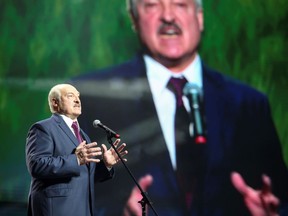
[(97, 123), (194, 94)]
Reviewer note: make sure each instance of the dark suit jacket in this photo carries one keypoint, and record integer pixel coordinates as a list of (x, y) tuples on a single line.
[(240, 133), (59, 186)]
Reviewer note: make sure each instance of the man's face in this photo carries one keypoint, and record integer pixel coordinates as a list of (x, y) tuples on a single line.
[(170, 29), (70, 104)]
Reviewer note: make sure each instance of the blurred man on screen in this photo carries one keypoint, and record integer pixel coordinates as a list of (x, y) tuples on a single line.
[(135, 98)]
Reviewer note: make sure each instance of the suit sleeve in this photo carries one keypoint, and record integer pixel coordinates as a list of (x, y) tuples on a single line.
[(46, 155), (264, 148)]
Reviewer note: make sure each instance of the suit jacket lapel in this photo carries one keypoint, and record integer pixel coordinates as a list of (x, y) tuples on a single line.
[(215, 105), (63, 126), (150, 115), (157, 149)]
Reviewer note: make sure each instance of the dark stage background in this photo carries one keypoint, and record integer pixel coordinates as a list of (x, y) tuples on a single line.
[(46, 42)]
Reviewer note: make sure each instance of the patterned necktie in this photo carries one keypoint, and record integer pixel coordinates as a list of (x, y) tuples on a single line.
[(77, 131), (183, 141)]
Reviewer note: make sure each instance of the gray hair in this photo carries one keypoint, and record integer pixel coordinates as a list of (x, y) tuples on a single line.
[(54, 94), (132, 7)]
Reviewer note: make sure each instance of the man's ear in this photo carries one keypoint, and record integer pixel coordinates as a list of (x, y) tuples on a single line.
[(133, 20), (200, 18), (55, 104)]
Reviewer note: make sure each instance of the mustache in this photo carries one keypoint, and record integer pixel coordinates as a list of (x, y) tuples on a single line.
[(162, 28)]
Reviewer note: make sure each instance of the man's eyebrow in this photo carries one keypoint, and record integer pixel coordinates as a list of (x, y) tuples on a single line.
[(76, 93)]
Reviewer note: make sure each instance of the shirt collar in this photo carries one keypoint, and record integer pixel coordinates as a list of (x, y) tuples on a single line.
[(158, 80), (68, 120)]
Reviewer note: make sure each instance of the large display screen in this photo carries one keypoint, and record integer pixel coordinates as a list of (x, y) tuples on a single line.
[(43, 43)]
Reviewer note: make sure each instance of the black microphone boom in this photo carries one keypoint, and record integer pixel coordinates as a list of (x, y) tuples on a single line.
[(97, 123), (193, 92)]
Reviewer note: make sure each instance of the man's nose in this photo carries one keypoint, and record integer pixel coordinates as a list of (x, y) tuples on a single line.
[(168, 14), (77, 100)]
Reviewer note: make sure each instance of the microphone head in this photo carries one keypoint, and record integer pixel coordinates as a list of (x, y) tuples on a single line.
[(191, 88), (96, 123)]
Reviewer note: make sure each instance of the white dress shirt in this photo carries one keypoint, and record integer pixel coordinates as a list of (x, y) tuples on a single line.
[(164, 100), (69, 123)]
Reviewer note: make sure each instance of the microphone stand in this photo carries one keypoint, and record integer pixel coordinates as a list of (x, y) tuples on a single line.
[(145, 199)]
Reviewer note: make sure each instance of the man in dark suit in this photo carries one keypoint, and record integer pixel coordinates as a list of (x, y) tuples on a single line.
[(62, 161), (134, 98)]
